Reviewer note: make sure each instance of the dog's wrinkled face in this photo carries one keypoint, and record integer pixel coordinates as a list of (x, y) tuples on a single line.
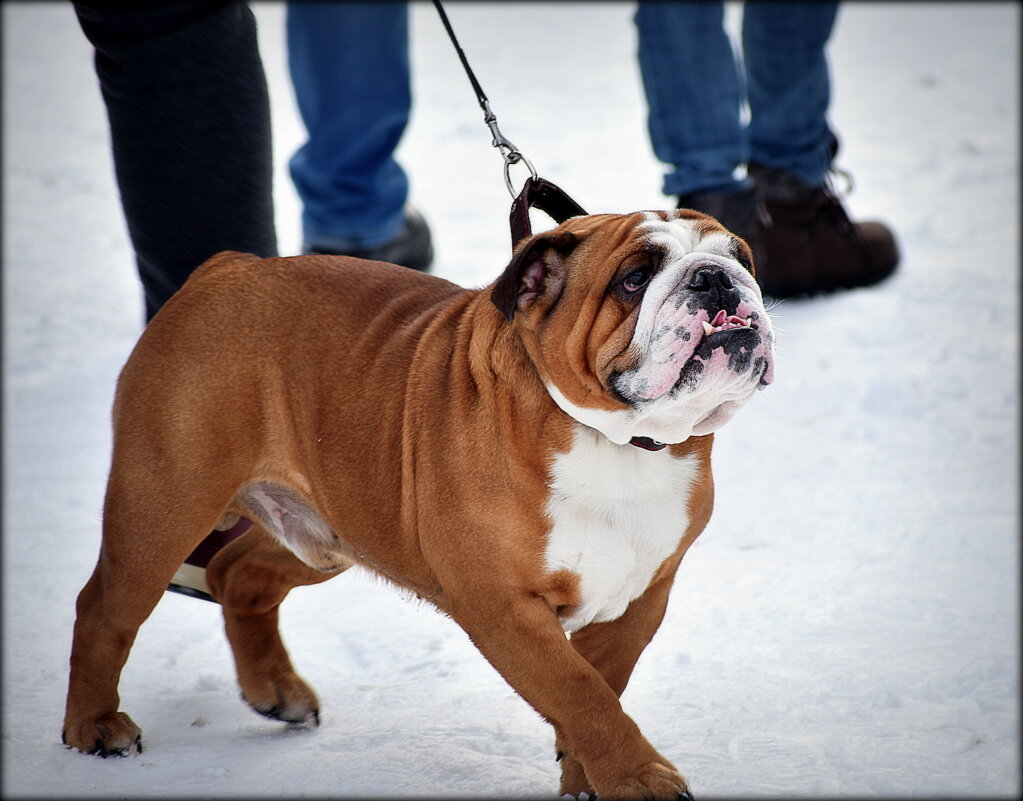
[(642, 325)]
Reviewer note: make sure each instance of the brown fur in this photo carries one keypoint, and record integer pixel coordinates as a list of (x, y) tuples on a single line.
[(411, 418)]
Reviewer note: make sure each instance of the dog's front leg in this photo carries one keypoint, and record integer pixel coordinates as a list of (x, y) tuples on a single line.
[(519, 634), (613, 648)]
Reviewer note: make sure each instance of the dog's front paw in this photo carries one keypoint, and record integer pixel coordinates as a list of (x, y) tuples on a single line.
[(573, 777), (654, 780), (114, 734)]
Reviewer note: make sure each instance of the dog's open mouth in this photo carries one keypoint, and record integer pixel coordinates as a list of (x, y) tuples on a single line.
[(727, 344), (725, 322), (735, 337)]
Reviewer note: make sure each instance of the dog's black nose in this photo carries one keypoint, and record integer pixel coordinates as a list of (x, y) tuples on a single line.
[(712, 288), (706, 279)]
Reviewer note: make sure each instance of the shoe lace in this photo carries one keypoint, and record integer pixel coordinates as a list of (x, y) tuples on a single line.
[(845, 175), (830, 210)]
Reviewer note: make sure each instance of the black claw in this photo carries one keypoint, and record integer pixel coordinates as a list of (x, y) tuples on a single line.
[(685, 795), (560, 756), (138, 743), (102, 751), (105, 752), (274, 712)]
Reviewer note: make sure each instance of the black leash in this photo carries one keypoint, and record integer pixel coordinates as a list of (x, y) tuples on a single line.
[(537, 192)]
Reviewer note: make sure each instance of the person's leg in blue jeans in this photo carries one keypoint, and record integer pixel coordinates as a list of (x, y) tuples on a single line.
[(349, 66), (696, 87), (803, 242), (789, 87), (694, 93)]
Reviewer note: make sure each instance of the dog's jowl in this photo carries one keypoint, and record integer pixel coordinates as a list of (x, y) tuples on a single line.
[(533, 458)]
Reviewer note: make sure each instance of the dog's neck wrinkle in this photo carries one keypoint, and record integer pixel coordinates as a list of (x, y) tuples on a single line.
[(496, 354), (507, 380), (528, 353)]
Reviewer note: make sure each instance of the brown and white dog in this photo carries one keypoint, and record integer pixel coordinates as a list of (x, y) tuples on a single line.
[(533, 458)]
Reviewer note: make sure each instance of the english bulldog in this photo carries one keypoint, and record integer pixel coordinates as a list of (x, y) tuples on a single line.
[(533, 458)]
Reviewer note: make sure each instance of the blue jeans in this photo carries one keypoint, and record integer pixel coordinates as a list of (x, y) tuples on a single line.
[(696, 86), (349, 65), (350, 68)]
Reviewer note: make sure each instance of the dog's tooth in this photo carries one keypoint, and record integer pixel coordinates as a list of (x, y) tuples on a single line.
[(708, 328), (749, 322)]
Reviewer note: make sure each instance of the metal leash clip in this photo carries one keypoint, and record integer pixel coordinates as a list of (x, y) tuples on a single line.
[(510, 153)]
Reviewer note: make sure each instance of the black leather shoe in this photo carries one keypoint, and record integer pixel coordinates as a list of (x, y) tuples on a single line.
[(412, 247)]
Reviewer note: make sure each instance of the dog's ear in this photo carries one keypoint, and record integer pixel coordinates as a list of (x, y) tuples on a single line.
[(536, 270)]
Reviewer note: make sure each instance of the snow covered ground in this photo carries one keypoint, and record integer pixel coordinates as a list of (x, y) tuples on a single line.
[(848, 625)]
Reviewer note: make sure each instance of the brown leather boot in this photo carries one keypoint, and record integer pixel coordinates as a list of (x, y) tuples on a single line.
[(810, 244)]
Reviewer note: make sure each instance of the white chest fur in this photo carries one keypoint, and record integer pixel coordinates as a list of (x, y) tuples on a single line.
[(618, 512)]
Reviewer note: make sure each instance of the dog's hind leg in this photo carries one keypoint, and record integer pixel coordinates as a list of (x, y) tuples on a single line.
[(147, 531), (250, 577)]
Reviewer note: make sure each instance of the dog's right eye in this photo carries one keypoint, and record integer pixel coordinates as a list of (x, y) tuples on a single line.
[(637, 279)]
